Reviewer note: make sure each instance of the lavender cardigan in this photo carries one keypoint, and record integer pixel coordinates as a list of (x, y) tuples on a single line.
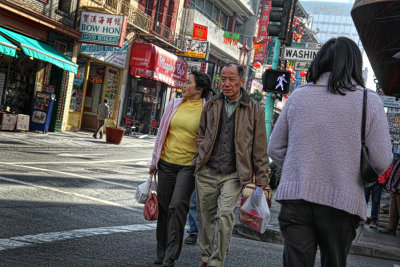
[(162, 132), (317, 142)]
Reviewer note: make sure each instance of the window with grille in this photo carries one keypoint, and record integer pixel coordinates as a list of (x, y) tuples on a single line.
[(64, 5)]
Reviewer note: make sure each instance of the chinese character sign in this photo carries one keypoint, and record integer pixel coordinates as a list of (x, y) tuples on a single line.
[(199, 32), (231, 37), (103, 29), (263, 29)]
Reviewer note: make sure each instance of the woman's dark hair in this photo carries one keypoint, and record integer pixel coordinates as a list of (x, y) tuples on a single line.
[(342, 57), (203, 82)]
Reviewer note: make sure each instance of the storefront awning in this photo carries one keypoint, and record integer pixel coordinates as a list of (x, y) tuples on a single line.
[(40, 50), (151, 61), (7, 48), (378, 25)]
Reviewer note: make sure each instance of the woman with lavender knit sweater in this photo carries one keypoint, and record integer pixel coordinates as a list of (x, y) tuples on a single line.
[(317, 143)]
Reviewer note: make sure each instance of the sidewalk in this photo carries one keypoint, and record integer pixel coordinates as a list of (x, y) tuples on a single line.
[(368, 242), (68, 141)]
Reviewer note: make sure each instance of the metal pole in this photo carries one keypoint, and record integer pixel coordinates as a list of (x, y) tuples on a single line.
[(269, 102)]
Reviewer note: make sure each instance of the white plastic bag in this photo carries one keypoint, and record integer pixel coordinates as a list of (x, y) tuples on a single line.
[(255, 212), (143, 191)]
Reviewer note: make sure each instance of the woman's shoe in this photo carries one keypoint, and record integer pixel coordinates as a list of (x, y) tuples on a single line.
[(158, 261), (387, 231)]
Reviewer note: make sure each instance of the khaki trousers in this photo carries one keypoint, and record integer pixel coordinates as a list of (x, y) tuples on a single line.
[(217, 195)]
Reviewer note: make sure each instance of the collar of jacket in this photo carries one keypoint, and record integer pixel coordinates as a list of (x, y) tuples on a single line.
[(244, 100)]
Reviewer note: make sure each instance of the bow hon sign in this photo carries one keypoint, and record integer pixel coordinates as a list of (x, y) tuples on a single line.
[(105, 29)]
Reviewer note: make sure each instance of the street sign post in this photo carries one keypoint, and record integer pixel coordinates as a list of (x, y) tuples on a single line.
[(300, 54), (301, 66)]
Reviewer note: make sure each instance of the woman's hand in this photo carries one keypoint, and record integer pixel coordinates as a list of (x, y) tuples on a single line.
[(200, 139), (153, 170)]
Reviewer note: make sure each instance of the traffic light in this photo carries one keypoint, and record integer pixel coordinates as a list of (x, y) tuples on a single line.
[(276, 81), (280, 19)]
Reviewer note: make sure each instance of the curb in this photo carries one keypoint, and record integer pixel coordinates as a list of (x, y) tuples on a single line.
[(273, 235)]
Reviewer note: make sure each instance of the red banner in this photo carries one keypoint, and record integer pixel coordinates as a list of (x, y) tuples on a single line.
[(199, 32), (151, 61), (263, 30)]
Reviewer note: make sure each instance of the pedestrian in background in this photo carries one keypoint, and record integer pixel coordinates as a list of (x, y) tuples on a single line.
[(317, 143), (103, 112), (375, 191), (174, 150), (193, 230), (392, 185), (232, 150)]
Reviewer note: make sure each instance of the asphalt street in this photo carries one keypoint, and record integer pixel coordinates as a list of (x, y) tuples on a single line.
[(77, 208)]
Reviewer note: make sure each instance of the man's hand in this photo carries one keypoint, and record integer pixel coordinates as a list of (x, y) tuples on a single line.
[(153, 170)]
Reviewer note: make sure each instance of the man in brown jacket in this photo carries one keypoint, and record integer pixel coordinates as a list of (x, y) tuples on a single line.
[(232, 150)]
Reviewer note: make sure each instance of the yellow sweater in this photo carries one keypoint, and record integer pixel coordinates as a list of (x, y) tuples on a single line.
[(180, 145)]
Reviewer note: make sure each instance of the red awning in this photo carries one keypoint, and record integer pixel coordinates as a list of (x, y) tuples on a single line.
[(378, 25), (150, 61)]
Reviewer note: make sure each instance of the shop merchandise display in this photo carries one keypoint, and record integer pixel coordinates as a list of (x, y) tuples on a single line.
[(111, 88), (393, 116)]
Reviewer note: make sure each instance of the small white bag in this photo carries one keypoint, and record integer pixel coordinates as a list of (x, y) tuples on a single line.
[(255, 211), (143, 191)]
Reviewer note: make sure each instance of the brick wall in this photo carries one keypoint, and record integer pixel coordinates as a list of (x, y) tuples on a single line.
[(49, 8)]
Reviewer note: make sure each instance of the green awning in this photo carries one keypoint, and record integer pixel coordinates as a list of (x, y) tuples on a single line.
[(40, 50), (7, 48)]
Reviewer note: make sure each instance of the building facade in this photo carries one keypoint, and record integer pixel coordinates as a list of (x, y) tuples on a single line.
[(331, 19), (45, 36)]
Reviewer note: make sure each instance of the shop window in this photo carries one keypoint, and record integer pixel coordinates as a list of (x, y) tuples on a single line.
[(60, 47), (77, 89), (170, 13), (19, 85), (208, 8), (94, 88), (64, 5)]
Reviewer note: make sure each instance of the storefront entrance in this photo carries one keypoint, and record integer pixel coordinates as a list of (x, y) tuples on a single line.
[(19, 86), (147, 103), (93, 95)]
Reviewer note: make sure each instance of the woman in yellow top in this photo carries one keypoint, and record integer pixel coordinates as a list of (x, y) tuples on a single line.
[(174, 150)]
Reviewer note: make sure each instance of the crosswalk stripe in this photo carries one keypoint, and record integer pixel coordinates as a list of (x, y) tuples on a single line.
[(30, 240)]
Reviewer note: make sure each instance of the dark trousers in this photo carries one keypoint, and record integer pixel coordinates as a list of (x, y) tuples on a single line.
[(394, 215), (305, 225), (100, 128), (376, 191), (175, 186)]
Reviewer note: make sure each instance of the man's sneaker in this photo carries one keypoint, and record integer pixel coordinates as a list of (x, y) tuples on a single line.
[(373, 225), (191, 239), (387, 231)]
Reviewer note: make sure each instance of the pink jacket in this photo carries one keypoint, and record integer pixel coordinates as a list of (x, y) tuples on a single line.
[(162, 132)]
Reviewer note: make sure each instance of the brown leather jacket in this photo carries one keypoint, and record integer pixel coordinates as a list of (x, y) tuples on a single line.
[(250, 138)]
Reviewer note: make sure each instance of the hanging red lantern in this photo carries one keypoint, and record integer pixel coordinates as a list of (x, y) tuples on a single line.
[(257, 64), (303, 73)]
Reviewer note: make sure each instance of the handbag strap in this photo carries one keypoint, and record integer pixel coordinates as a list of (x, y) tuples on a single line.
[(364, 115), (153, 176)]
